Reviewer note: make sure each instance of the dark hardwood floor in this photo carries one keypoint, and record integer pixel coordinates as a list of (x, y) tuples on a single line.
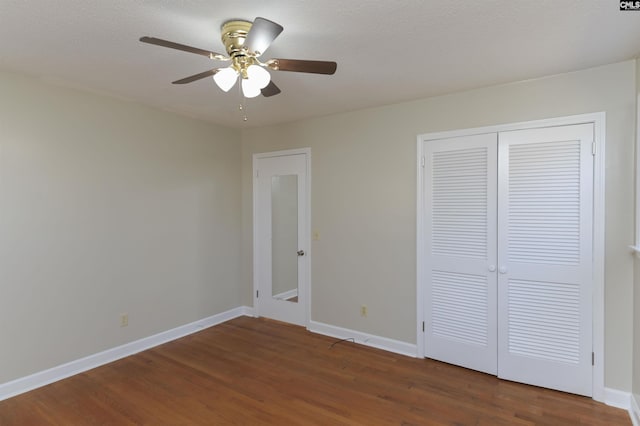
[(254, 371)]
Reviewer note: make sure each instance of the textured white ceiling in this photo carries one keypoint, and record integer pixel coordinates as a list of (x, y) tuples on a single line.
[(387, 51)]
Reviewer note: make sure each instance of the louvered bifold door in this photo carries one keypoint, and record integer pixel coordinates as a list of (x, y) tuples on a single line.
[(460, 264), (545, 185)]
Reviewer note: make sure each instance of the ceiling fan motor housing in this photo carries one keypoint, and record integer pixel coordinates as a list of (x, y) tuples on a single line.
[(234, 35)]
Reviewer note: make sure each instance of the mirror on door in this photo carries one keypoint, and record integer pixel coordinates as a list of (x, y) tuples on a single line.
[(284, 237)]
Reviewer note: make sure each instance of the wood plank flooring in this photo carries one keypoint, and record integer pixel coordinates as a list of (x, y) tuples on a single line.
[(254, 371)]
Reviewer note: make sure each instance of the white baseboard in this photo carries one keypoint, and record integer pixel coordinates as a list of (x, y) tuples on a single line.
[(246, 311), (396, 346), (624, 400), (617, 398), (42, 378), (634, 411)]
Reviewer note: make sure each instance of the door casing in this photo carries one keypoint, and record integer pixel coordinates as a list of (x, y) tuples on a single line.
[(599, 120)]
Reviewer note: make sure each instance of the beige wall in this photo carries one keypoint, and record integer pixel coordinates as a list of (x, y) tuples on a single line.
[(364, 197), (108, 207), (636, 333), (636, 290)]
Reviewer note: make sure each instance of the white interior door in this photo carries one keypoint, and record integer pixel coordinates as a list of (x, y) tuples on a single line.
[(520, 202), (460, 247), (281, 221), (545, 257)]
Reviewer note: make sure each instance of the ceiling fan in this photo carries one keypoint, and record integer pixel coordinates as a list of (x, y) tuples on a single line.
[(245, 42)]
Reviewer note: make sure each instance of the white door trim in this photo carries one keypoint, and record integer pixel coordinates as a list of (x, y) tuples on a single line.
[(599, 121), (306, 279)]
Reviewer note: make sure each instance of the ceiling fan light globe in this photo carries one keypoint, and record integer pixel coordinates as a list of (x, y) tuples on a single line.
[(249, 88), (226, 78), (258, 75)]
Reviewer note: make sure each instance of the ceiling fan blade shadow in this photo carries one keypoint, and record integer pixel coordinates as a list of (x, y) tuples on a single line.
[(261, 35), (298, 65), (196, 77), (183, 47), (270, 90)]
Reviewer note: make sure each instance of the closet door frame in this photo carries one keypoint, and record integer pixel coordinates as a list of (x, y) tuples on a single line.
[(599, 120)]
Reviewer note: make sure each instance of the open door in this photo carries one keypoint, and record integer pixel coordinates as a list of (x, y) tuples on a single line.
[(281, 233)]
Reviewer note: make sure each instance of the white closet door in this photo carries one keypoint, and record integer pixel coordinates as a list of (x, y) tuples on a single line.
[(545, 257), (460, 235)]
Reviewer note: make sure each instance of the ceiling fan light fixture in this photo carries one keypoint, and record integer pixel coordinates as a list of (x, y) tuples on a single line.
[(250, 88), (245, 42), (226, 78), (258, 75)]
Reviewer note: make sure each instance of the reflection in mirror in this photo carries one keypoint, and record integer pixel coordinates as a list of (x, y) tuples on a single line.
[(284, 237)]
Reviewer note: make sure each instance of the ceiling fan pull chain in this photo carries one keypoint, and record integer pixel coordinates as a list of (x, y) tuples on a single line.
[(243, 106)]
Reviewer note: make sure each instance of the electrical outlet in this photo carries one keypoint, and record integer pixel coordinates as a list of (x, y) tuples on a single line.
[(124, 320), (363, 311)]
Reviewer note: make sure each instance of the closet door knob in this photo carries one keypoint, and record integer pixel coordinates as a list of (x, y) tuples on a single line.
[(492, 268), (503, 269)]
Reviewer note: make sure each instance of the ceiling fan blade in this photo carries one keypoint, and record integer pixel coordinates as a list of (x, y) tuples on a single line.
[(196, 76), (270, 90), (261, 34), (298, 65), (183, 47)]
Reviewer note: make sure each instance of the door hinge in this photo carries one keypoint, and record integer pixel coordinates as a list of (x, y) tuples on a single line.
[(257, 293), (423, 326), (593, 148), (593, 358), (422, 161), (257, 173)]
